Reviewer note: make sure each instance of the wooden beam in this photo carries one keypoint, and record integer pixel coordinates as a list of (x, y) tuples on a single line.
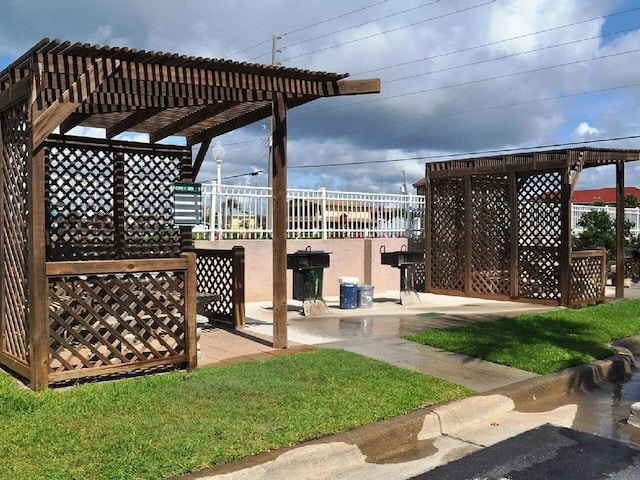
[(188, 121), (15, 93), (359, 87), (202, 153), (73, 120), (279, 242), (136, 118), (253, 116), (565, 239), (620, 243), (427, 230), (46, 121)]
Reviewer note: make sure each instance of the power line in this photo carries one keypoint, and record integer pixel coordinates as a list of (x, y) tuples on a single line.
[(392, 30), (479, 62), (481, 80), (498, 42), (530, 149), (311, 26), (360, 24)]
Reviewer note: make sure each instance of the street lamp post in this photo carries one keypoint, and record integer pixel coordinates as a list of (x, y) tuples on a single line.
[(218, 155)]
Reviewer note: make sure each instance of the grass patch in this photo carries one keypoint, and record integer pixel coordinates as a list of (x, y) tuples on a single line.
[(166, 425), (545, 342)]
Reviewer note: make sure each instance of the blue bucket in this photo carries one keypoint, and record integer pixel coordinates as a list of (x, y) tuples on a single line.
[(348, 296)]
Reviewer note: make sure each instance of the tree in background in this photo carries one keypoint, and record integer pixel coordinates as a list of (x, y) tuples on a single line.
[(631, 201), (600, 232)]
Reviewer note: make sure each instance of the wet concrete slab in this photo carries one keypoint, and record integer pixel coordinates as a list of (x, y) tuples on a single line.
[(478, 375)]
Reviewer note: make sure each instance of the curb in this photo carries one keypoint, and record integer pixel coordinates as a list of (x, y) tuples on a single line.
[(388, 438)]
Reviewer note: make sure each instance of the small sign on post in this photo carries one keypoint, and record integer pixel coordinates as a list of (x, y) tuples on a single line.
[(187, 204)]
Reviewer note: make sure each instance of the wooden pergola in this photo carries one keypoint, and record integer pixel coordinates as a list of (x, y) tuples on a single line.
[(94, 276), (500, 227)]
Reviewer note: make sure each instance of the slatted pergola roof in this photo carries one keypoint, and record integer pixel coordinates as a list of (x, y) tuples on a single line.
[(162, 94)]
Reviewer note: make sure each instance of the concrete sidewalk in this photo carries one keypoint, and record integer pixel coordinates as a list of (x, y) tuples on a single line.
[(510, 401)]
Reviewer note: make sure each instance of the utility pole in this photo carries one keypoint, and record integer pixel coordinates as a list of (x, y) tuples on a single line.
[(274, 51)]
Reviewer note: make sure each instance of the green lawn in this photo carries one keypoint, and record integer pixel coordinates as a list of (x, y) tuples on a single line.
[(545, 342), (165, 425)]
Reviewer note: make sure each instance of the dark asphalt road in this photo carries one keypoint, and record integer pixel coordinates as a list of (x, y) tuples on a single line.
[(546, 453)]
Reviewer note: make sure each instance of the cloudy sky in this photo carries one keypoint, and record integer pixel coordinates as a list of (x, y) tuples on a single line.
[(458, 76)]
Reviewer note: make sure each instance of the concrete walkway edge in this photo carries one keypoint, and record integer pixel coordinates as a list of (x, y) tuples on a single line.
[(387, 438)]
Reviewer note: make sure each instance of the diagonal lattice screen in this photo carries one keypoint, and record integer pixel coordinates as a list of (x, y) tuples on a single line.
[(539, 235), (490, 235), (14, 287), (447, 234), (110, 202), (119, 319), (80, 203), (148, 205)]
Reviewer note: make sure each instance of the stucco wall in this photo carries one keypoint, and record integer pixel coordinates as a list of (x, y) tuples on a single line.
[(350, 257)]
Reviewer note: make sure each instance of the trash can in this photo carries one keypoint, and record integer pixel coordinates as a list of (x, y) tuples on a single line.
[(348, 296), (365, 296)]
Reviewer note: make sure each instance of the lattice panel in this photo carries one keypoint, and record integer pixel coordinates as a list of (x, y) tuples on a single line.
[(14, 294), (214, 274), (148, 205), (447, 234), (586, 280), (491, 244), (115, 319), (539, 235), (419, 279), (80, 203)]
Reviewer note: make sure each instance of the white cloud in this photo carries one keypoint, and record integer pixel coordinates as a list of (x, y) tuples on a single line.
[(584, 130)]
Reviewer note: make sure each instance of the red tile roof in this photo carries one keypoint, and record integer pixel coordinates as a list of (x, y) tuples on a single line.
[(602, 195)]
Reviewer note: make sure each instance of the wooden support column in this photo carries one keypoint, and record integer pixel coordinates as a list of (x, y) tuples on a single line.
[(620, 244), (279, 242), (468, 220), (36, 251), (238, 287), (513, 222), (427, 231), (190, 310), (565, 238)]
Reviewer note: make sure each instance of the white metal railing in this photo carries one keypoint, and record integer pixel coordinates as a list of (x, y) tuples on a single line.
[(632, 215), (243, 212)]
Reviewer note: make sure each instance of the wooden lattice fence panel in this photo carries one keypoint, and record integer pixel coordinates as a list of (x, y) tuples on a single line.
[(490, 235), (115, 320), (214, 274), (111, 201), (148, 205), (587, 277), (447, 234), (80, 203), (419, 278), (14, 294), (539, 235)]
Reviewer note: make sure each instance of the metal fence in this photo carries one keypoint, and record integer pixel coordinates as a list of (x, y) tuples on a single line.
[(236, 212), (632, 215), (232, 212)]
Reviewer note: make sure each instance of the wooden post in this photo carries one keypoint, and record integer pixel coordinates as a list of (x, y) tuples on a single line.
[(467, 245), (3, 333), (565, 238), (191, 341), (38, 319), (368, 261), (427, 231), (620, 244), (279, 242), (238, 287), (513, 216)]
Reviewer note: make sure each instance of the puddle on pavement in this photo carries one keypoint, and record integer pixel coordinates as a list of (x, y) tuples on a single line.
[(603, 411)]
